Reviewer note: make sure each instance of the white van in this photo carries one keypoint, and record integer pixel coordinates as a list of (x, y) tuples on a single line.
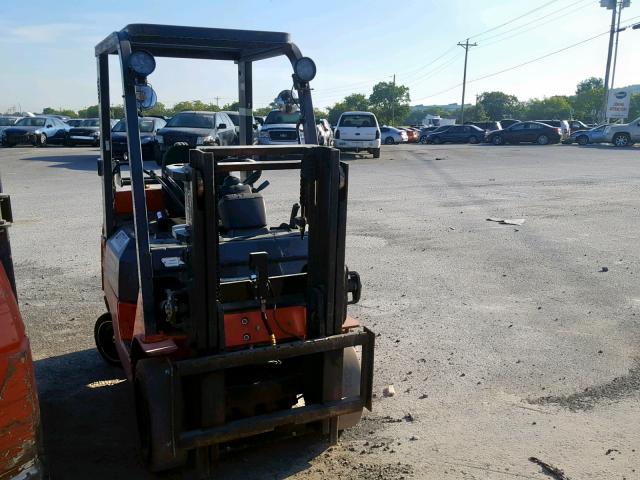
[(358, 131)]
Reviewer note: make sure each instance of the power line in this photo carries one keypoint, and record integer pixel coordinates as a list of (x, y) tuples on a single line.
[(514, 19), (477, 79)]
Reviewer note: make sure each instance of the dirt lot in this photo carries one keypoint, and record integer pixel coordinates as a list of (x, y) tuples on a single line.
[(503, 342)]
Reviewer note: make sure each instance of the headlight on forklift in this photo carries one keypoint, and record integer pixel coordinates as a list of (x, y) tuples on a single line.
[(305, 69)]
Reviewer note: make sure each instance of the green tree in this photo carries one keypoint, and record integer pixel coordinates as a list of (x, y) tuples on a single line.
[(59, 111), (474, 113), (499, 105), (390, 102), (634, 107), (354, 102), (90, 112), (233, 106), (588, 101), (554, 107)]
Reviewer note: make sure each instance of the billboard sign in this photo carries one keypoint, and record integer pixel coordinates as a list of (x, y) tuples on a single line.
[(618, 103)]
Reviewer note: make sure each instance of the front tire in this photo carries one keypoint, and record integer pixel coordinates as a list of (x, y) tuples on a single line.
[(542, 140), (350, 386), (423, 140), (497, 140), (473, 140), (621, 140), (582, 140), (389, 141), (41, 141), (437, 140), (104, 337)]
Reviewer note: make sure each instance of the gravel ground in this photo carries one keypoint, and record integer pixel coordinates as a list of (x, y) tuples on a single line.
[(503, 342)]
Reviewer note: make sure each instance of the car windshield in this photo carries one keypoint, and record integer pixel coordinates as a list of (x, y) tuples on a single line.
[(6, 121), (145, 126), (92, 122), (357, 121), (192, 120), (32, 122), (282, 117)]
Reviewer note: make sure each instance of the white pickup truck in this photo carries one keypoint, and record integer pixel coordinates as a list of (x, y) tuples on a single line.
[(624, 134)]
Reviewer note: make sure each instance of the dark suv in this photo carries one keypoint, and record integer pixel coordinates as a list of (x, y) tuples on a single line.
[(457, 134), (148, 127), (197, 128)]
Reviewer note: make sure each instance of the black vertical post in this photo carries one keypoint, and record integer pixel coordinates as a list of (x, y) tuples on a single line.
[(145, 267), (245, 97), (306, 108), (105, 144)]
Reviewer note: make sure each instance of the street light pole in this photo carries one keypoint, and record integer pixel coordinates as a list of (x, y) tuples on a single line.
[(393, 102), (615, 54)]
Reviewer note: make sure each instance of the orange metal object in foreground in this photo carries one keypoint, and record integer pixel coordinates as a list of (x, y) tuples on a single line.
[(19, 411), (247, 328)]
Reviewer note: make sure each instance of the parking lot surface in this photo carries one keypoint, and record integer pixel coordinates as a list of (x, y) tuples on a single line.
[(503, 342)]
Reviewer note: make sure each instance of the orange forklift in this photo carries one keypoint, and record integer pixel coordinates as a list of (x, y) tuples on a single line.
[(19, 409), (227, 326)]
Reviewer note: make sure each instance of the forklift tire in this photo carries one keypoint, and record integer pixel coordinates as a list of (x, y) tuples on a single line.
[(376, 153), (350, 386), (105, 340), (153, 412)]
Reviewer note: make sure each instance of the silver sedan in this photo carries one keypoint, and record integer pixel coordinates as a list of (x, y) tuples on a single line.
[(593, 135)]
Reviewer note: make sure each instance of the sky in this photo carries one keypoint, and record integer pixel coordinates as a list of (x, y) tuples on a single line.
[(47, 53)]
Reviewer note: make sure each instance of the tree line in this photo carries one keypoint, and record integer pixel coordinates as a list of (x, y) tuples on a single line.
[(391, 104)]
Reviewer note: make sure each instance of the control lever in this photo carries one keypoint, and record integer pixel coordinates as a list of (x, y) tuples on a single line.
[(259, 265), (261, 187), (295, 221)]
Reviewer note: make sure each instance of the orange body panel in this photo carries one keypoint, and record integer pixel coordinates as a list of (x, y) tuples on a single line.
[(123, 200), (247, 328), (19, 410)]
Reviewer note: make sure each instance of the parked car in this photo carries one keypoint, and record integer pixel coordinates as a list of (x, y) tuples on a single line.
[(425, 131), (325, 133), (148, 127), (392, 136), (358, 131), (6, 122), (75, 122), (235, 119), (197, 128), (592, 135), (623, 134), (412, 135), (578, 125), (563, 125), (40, 131), (457, 134), (87, 133), (531, 132), (507, 122), (281, 128), (486, 126)]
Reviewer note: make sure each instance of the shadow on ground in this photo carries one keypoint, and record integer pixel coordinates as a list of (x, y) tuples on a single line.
[(90, 431), (73, 161)]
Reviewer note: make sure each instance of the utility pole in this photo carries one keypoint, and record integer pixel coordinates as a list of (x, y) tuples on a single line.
[(466, 47), (613, 6), (217, 101), (615, 54), (393, 102)]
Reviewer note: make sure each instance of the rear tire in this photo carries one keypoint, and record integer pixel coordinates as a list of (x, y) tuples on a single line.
[(376, 153), (621, 140), (497, 140), (153, 395), (41, 141), (542, 140), (389, 141), (582, 140), (437, 140), (423, 140), (104, 337), (473, 140), (350, 386)]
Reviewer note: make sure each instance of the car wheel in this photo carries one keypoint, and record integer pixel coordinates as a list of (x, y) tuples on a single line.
[(423, 140), (582, 140), (497, 140), (473, 140), (437, 140), (41, 141), (621, 139), (389, 141), (542, 140)]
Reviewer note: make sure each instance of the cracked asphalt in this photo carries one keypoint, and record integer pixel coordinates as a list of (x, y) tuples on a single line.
[(503, 342)]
